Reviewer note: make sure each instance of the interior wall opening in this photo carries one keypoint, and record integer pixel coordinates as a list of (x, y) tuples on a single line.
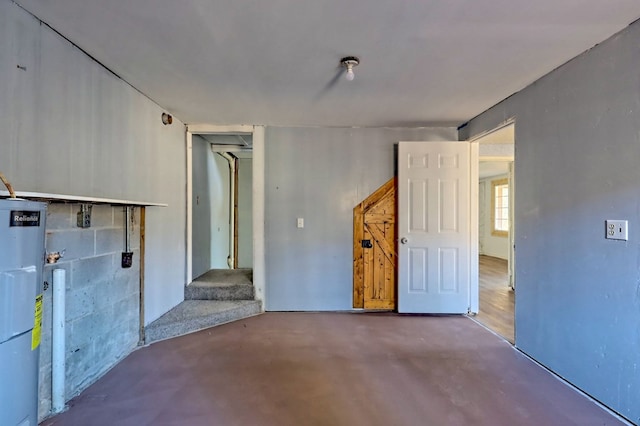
[(222, 176), (496, 190)]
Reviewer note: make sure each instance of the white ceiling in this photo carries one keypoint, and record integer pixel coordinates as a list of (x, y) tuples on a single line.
[(427, 62)]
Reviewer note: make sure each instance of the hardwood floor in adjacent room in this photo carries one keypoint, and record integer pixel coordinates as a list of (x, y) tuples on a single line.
[(497, 300)]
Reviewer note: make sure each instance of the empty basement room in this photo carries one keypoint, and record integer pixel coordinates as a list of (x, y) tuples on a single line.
[(322, 159), (332, 369)]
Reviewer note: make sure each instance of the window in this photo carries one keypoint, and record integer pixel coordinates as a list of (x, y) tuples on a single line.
[(500, 207)]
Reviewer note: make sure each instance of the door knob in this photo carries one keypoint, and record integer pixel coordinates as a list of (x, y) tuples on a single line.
[(404, 240)]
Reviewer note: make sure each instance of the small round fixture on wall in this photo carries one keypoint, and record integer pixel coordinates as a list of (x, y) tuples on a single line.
[(349, 62), (166, 118)]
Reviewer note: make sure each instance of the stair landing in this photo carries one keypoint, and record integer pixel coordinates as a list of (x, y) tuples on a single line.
[(194, 315), (216, 297), (222, 284)]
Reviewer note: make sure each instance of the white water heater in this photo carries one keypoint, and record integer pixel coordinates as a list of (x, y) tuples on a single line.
[(22, 231)]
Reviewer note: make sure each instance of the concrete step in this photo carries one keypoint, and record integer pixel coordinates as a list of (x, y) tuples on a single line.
[(218, 291), (222, 284), (194, 315)]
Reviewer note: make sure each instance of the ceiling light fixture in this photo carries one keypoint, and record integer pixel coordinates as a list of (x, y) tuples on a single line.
[(349, 62)]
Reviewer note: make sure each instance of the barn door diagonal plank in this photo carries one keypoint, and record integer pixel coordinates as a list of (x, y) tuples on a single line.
[(374, 250)]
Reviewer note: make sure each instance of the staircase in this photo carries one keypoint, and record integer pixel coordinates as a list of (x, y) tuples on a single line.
[(217, 297)]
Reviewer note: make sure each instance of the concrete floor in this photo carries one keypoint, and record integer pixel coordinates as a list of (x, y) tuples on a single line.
[(333, 369)]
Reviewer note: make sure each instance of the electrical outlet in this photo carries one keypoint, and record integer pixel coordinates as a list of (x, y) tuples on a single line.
[(83, 218), (617, 230)]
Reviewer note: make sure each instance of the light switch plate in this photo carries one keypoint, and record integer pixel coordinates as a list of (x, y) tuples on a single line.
[(300, 222), (617, 229)]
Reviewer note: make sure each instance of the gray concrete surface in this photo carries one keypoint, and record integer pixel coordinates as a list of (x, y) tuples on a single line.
[(194, 315)]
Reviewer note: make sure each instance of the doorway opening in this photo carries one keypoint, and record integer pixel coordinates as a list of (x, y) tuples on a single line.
[(225, 296), (496, 190), (221, 213), (256, 136)]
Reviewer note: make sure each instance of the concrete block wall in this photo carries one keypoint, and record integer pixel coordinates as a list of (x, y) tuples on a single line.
[(102, 298)]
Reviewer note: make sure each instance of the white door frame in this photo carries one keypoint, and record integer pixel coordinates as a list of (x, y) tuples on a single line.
[(512, 233), (257, 194), (474, 265)]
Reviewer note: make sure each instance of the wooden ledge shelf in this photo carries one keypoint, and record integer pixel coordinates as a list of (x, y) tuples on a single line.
[(61, 198)]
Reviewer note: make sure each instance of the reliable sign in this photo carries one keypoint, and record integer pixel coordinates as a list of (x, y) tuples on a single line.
[(24, 218)]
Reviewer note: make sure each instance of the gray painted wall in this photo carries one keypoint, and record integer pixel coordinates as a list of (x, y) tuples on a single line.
[(320, 174), (69, 126), (245, 217), (220, 190), (102, 318), (577, 163), (202, 206)]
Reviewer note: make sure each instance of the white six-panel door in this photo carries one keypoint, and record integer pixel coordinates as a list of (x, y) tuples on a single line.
[(434, 227)]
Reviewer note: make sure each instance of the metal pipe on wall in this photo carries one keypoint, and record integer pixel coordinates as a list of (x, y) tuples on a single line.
[(58, 368), (127, 254), (127, 236), (232, 202)]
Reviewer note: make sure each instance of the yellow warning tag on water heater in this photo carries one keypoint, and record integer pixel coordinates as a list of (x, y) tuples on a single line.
[(37, 324)]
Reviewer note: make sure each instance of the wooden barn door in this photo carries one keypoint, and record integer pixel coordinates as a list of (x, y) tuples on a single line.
[(374, 250)]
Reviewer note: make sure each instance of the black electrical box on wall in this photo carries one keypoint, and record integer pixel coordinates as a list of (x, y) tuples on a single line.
[(127, 259)]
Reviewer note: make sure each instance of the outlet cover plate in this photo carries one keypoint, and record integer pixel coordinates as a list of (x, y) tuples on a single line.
[(617, 229)]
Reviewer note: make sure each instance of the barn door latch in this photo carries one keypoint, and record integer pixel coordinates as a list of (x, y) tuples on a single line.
[(367, 244)]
